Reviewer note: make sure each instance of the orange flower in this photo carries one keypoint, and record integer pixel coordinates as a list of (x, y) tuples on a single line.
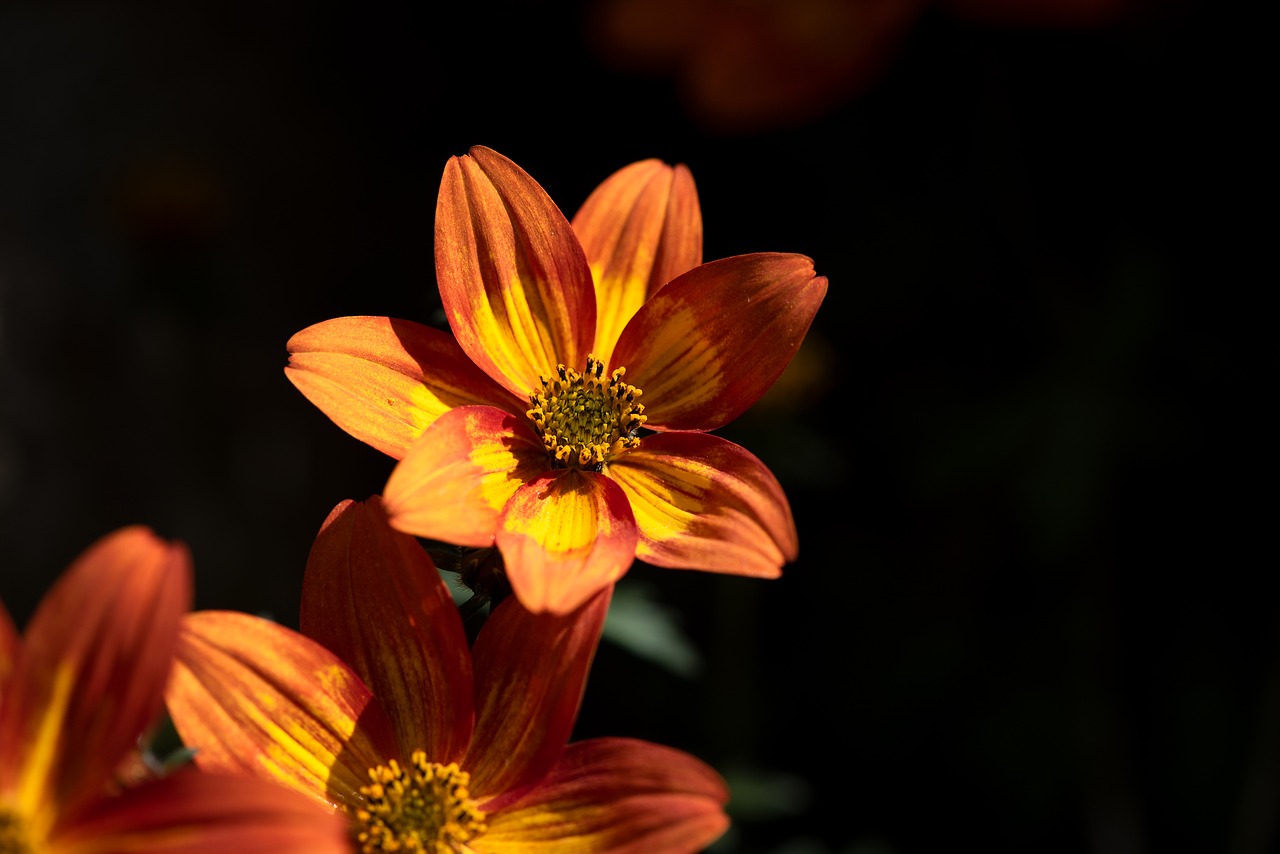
[(378, 708), (79, 689), (525, 428)]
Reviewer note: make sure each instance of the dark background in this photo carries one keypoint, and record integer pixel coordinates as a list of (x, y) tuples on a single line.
[(1028, 614)]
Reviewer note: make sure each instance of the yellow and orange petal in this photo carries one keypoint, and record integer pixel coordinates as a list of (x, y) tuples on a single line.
[(454, 482), (385, 381), (372, 596), (513, 278), (640, 229), (618, 795), (90, 671), (531, 671), (710, 343), (564, 536), (250, 695), (703, 502)]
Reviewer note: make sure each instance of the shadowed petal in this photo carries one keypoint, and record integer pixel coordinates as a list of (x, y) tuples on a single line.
[(8, 647), (616, 795), (531, 670), (563, 537), (458, 475), (191, 812), (702, 502), (89, 678), (384, 381), (250, 695), (514, 282), (710, 343), (373, 597), (640, 229)]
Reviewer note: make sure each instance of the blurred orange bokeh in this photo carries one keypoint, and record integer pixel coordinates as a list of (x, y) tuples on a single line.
[(754, 65)]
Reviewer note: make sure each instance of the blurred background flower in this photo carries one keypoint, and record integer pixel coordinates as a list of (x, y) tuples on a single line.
[(1027, 612), (758, 65)]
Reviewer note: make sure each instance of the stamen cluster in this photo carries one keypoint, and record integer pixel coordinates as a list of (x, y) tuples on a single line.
[(425, 807), (585, 419)]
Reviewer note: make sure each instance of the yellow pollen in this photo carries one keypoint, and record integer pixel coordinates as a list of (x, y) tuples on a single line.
[(13, 835), (424, 807), (585, 419)]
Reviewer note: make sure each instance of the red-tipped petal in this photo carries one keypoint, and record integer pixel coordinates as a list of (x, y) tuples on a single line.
[(90, 676), (710, 343), (384, 381), (372, 596), (514, 282), (191, 812), (616, 795), (702, 502), (456, 478), (564, 536), (640, 229), (531, 670), (251, 696)]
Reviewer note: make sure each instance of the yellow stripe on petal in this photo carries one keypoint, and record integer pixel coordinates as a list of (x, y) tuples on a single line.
[(619, 795), (460, 473), (90, 673), (32, 797), (250, 695), (513, 279), (710, 343), (640, 229), (385, 381), (702, 502), (564, 537)]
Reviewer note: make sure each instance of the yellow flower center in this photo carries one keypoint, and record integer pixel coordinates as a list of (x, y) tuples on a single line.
[(424, 807), (13, 834), (585, 419)]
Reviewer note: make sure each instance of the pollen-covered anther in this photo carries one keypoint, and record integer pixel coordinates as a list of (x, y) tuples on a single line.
[(586, 419), (423, 807)]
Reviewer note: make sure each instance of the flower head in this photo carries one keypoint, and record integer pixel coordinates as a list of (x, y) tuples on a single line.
[(379, 709), (82, 685), (566, 419)]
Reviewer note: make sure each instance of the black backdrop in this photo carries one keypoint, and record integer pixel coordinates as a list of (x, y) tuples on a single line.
[(1025, 616)]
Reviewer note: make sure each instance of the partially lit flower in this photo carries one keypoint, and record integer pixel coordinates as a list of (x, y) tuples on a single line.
[(378, 708), (526, 428), (82, 685)]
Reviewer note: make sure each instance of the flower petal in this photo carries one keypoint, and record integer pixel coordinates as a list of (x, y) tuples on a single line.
[(253, 696), (89, 678), (702, 502), (710, 343), (8, 647), (531, 670), (190, 812), (563, 537), (615, 795), (459, 474), (515, 285), (640, 229), (384, 381), (373, 597)]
